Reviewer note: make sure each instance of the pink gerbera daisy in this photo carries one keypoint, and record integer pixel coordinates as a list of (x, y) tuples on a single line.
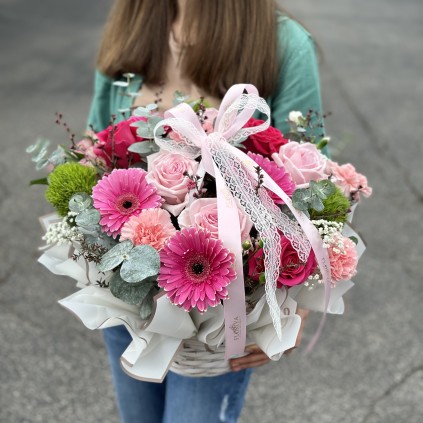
[(122, 194), (195, 269), (278, 174), (151, 226)]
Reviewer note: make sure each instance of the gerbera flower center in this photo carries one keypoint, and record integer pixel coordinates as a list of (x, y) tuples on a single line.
[(197, 268), (127, 203)]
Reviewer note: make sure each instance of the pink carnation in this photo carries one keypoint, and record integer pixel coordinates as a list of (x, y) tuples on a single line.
[(168, 173), (303, 162), (152, 227), (202, 214), (343, 261), (349, 180), (278, 174)]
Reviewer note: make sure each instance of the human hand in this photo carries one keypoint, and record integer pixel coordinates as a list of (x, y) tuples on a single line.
[(257, 357)]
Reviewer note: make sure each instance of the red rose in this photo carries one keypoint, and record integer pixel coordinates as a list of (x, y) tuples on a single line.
[(265, 142), (124, 135), (293, 271)]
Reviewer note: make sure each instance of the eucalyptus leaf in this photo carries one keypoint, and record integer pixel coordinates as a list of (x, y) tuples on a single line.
[(151, 107), (39, 145), (141, 112), (88, 217), (143, 148), (316, 203), (130, 293), (145, 132), (146, 307), (142, 262), (123, 84), (139, 123), (179, 97), (80, 202), (41, 164), (89, 231), (115, 256), (323, 189), (154, 120), (301, 199), (100, 238)]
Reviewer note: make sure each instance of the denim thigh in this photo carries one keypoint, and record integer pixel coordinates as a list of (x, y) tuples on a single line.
[(179, 399)]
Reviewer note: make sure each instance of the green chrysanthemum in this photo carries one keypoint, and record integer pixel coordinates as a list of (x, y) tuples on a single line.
[(337, 207), (65, 181)]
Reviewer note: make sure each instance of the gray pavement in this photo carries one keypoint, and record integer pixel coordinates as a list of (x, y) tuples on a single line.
[(368, 365)]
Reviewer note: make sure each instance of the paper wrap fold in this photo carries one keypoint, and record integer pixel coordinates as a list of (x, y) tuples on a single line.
[(155, 342)]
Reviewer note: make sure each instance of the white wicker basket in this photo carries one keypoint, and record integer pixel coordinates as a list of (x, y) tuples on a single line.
[(195, 359)]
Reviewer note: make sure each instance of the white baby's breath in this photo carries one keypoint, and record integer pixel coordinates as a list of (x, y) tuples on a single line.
[(62, 233)]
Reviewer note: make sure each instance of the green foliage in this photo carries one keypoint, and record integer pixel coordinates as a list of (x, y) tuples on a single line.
[(146, 307), (115, 256), (130, 293), (142, 262), (65, 181), (80, 202), (41, 181), (138, 263), (39, 152), (312, 198), (336, 208)]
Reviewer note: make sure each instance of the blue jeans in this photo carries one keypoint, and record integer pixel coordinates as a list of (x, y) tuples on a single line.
[(179, 399)]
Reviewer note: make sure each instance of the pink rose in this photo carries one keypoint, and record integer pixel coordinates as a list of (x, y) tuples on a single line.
[(349, 180), (303, 162), (113, 143), (343, 261), (202, 214), (292, 271), (167, 172)]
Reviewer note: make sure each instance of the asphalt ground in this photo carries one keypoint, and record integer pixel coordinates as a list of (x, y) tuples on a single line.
[(368, 364)]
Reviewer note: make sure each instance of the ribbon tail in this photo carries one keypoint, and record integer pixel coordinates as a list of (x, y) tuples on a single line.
[(234, 307)]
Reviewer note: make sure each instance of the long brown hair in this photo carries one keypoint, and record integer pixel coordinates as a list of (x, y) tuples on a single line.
[(235, 41)]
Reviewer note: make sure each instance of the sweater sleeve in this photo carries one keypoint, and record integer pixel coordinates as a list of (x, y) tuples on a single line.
[(298, 82), (99, 115)]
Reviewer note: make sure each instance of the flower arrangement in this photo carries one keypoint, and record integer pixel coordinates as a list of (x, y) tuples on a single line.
[(164, 211)]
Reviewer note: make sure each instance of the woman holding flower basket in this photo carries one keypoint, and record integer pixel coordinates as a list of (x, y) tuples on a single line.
[(199, 234), (150, 51)]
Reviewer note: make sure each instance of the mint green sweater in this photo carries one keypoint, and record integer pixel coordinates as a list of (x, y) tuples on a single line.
[(298, 85)]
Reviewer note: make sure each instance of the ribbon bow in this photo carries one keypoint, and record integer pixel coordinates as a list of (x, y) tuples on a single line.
[(235, 176)]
